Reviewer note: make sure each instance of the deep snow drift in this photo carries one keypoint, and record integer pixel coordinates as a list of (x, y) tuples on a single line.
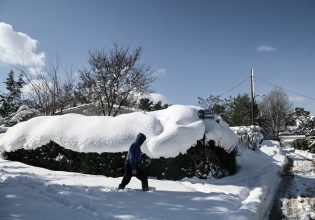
[(33, 193), (169, 132)]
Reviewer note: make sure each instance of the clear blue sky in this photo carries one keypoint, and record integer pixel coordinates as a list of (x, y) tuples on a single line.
[(201, 47)]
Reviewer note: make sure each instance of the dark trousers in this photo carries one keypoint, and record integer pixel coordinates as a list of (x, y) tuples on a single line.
[(141, 175)]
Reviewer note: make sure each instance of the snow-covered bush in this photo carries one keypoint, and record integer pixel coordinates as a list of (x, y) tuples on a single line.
[(249, 136), (203, 160), (305, 144), (24, 113), (171, 133)]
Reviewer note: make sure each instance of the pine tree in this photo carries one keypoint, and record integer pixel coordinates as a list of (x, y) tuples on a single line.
[(10, 83), (19, 85), (145, 104), (158, 106), (11, 101)]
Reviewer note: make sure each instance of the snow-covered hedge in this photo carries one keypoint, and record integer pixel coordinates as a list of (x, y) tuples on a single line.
[(169, 132), (203, 160)]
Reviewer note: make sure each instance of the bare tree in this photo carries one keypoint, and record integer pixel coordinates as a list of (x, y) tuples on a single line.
[(113, 76), (47, 89), (275, 109)]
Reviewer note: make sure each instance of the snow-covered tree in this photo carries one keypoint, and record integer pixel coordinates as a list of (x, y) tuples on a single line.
[(11, 101), (275, 110)]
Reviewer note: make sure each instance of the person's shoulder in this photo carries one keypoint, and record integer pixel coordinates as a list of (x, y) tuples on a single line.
[(134, 145)]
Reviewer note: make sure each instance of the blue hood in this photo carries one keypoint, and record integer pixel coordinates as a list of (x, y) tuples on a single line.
[(140, 139)]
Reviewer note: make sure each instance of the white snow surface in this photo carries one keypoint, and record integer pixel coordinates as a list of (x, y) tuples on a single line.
[(32, 193), (169, 132), (305, 154)]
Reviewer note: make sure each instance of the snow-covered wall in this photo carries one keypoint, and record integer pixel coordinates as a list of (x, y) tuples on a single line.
[(169, 132)]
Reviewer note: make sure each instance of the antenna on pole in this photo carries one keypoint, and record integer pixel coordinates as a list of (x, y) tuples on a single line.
[(252, 93)]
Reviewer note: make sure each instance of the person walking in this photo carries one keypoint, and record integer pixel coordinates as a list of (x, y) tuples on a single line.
[(133, 164)]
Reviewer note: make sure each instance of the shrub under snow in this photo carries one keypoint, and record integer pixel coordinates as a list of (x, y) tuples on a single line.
[(24, 113), (180, 143)]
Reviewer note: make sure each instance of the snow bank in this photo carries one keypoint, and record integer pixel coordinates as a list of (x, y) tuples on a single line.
[(169, 132), (305, 154), (259, 172)]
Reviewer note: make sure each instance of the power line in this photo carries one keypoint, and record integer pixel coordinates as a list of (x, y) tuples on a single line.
[(289, 90), (234, 87)]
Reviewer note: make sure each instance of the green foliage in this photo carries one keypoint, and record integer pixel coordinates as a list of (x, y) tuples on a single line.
[(306, 122), (9, 103), (303, 144), (14, 87), (159, 106), (236, 111), (202, 160), (214, 103), (147, 105), (299, 114)]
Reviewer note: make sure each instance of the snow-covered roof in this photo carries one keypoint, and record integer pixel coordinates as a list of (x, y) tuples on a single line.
[(169, 132)]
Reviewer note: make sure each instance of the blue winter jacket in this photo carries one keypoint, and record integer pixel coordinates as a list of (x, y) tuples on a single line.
[(134, 156)]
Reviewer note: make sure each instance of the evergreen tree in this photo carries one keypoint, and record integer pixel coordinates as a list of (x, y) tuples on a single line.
[(10, 83), (306, 123), (238, 110), (3, 105), (19, 85), (11, 101), (158, 106), (145, 104), (148, 105)]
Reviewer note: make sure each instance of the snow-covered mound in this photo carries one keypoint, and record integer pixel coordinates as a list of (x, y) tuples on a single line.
[(169, 132)]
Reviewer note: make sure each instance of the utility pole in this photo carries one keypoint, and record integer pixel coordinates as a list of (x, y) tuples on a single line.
[(252, 93)]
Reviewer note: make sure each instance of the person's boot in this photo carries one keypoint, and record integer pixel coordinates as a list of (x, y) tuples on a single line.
[(145, 186), (144, 189), (121, 186)]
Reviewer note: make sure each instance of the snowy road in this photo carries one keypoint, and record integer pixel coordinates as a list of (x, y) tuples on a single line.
[(296, 196)]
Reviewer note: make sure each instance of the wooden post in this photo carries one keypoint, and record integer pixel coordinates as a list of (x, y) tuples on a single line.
[(252, 93)]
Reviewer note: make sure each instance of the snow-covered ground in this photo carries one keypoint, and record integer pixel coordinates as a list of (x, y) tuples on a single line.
[(33, 193), (305, 154)]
